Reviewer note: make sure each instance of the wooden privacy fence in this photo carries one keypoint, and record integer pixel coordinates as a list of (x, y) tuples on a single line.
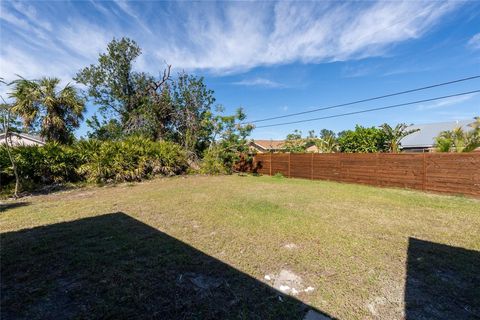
[(438, 172)]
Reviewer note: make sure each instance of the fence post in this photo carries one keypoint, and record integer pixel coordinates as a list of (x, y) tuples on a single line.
[(424, 178), (311, 166), (289, 154), (376, 168), (271, 163), (340, 167)]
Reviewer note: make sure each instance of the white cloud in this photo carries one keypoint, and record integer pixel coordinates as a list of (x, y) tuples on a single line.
[(283, 32), (474, 42), (30, 13), (260, 82), (57, 40)]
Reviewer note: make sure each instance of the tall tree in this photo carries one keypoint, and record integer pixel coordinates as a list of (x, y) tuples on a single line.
[(58, 111), (192, 102), (136, 100), (111, 83), (393, 136)]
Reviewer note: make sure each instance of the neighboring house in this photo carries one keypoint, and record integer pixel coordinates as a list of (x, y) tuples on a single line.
[(312, 149), (18, 139), (424, 140), (264, 146)]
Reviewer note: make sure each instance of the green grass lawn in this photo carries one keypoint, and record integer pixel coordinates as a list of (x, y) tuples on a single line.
[(200, 247)]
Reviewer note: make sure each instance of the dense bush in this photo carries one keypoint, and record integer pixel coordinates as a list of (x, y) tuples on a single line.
[(52, 163), (132, 159), (214, 163), (363, 140)]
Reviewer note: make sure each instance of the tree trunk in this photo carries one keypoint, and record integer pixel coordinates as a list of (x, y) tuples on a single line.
[(14, 165)]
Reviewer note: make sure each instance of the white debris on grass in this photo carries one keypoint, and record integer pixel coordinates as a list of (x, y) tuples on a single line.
[(285, 289), (290, 246), (288, 282)]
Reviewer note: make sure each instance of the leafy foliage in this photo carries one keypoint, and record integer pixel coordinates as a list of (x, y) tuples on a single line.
[(229, 143), (393, 136), (363, 140), (295, 142), (459, 140), (112, 84), (326, 142), (132, 159), (131, 102), (53, 163)]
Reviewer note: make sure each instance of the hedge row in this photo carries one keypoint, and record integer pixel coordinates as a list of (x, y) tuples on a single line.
[(132, 159)]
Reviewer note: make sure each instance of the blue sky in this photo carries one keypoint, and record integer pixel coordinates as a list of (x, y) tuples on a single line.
[(272, 58)]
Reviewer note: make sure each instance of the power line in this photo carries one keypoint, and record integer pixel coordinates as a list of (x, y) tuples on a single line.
[(368, 99), (369, 110)]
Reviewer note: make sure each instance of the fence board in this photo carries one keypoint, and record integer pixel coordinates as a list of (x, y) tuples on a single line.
[(439, 172)]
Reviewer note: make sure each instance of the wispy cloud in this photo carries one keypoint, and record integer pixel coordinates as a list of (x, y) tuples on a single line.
[(57, 39), (474, 42), (447, 102), (260, 82)]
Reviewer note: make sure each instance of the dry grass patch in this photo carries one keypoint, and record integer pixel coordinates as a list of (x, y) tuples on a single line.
[(200, 247)]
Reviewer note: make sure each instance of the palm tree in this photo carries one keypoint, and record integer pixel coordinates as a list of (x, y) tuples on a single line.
[(393, 136), (59, 111), (457, 140), (327, 144)]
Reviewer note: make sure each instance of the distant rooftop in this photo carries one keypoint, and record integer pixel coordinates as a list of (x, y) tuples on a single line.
[(428, 132), (25, 135), (270, 144)]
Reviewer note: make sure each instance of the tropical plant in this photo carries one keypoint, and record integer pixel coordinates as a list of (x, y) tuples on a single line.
[(459, 140), (327, 144), (132, 159), (393, 136), (59, 112)]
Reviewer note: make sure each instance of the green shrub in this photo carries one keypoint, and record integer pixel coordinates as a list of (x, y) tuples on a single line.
[(52, 163), (362, 140), (133, 159), (214, 163)]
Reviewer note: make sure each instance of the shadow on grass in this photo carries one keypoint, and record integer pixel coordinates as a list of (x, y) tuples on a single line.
[(443, 282), (116, 267), (12, 205)]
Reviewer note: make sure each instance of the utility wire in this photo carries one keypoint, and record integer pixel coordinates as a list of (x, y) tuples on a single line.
[(368, 99), (369, 110)]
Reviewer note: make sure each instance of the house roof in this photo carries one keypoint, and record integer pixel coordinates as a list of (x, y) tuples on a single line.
[(27, 136), (270, 144), (425, 138)]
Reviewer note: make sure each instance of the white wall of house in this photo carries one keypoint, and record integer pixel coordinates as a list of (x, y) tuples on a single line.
[(18, 141)]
